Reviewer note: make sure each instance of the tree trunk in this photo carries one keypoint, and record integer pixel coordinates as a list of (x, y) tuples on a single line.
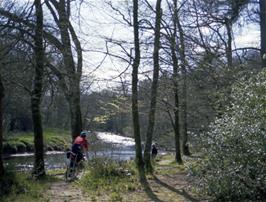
[(229, 55), (176, 126), (72, 69), (263, 32), (2, 171), (182, 54), (135, 110), (75, 114), (38, 169), (74, 73), (156, 67)]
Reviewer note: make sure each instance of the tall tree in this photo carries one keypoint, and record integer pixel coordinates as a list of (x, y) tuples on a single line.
[(70, 82), (154, 87), (182, 55), (135, 108), (2, 171), (36, 94), (263, 32), (69, 73), (173, 45)]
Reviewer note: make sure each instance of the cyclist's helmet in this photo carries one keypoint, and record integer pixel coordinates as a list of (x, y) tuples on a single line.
[(83, 134)]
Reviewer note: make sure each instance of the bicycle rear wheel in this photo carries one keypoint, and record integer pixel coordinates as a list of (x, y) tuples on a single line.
[(71, 171)]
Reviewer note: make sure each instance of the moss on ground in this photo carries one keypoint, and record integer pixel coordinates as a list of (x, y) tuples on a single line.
[(54, 139)]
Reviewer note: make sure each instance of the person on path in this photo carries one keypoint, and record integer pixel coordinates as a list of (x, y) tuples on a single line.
[(80, 146), (154, 151)]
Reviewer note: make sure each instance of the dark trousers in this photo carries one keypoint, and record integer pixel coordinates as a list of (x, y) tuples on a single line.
[(76, 149)]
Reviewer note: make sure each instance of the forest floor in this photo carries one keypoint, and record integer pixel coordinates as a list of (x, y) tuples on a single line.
[(169, 183)]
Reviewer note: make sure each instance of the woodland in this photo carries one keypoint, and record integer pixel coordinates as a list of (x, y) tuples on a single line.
[(186, 79)]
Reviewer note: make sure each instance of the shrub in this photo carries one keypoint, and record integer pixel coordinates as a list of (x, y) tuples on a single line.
[(235, 163)]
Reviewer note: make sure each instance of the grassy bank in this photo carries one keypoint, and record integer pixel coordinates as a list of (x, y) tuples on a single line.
[(54, 139)]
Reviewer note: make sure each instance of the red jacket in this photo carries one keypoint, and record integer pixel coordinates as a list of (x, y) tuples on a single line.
[(81, 141)]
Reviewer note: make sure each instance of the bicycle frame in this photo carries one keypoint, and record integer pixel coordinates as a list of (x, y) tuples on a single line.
[(72, 167)]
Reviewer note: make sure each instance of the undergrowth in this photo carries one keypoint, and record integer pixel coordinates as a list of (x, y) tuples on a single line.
[(109, 177), (22, 187)]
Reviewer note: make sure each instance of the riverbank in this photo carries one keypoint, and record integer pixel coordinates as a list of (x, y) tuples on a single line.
[(54, 140)]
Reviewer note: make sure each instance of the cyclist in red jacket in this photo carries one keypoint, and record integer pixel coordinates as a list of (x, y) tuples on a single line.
[(81, 145)]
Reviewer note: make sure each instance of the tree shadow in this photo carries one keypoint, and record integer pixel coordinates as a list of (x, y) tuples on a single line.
[(149, 191), (182, 193)]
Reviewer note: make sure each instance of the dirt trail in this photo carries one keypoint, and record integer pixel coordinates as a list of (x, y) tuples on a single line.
[(169, 185), (67, 192), (62, 191)]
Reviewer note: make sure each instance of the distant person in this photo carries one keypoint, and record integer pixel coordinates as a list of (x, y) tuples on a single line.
[(80, 146), (154, 151)]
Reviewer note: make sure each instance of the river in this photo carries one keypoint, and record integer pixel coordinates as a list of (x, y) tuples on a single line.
[(103, 144)]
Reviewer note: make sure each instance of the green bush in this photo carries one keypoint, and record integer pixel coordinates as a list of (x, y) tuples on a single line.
[(235, 165)]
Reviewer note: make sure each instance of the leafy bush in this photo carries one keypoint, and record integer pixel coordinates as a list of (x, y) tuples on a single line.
[(235, 163)]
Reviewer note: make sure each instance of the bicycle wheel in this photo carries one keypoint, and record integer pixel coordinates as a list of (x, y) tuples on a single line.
[(71, 171)]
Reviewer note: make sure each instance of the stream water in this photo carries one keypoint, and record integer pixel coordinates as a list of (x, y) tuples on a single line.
[(105, 144)]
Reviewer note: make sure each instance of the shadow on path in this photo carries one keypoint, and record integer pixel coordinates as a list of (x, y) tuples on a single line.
[(182, 193), (149, 192)]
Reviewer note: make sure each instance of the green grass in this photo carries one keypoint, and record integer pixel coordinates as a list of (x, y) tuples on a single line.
[(22, 187), (54, 139), (106, 180), (110, 178)]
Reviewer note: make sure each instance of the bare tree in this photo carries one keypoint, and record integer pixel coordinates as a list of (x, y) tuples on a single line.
[(70, 77), (2, 171), (182, 55), (173, 46), (69, 73), (135, 108), (154, 87), (263, 32), (36, 94)]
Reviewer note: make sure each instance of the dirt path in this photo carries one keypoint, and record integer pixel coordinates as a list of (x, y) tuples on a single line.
[(166, 185), (162, 189), (62, 191)]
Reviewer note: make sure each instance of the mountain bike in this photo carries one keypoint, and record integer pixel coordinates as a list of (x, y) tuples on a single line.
[(73, 166)]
